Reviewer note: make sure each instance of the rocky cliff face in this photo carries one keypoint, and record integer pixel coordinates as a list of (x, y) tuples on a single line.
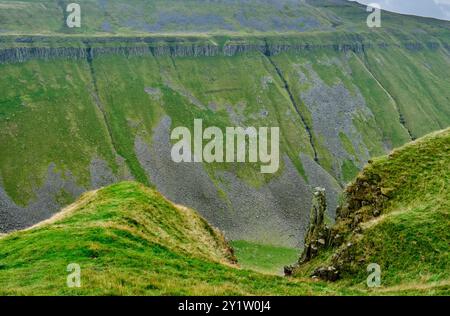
[(21, 49)]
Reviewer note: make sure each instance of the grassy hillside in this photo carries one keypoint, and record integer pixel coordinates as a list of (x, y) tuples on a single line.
[(85, 108), (396, 214), (129, 240), (69, 126), (263, 258), (194, 16)]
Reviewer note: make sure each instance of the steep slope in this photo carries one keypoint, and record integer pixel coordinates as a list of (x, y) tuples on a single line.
[(71, 125), (396, 214), (129, 240), (83, 110)]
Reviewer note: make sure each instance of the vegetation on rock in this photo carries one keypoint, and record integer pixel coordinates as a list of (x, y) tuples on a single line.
[(395, 214)]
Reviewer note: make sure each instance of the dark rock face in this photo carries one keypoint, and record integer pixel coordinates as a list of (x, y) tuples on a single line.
[(272, 213), (23, 48), (329, 274), (364, 200), (22, 54), (318, 235), (185, 50), (102, 175), (319, 177), (288, 271)]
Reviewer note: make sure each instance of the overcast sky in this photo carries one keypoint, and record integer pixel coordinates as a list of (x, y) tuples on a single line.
[(431, 8)]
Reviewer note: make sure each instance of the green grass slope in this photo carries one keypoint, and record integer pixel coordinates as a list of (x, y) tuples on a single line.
[(263, 258), (396, 214), (195, 16), (129, 240), (52, 99)]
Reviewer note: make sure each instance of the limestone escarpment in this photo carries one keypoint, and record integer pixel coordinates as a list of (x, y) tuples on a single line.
[(21, 49)]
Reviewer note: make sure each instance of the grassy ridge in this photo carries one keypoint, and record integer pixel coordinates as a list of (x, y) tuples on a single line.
[(129, 240), (408, 236)]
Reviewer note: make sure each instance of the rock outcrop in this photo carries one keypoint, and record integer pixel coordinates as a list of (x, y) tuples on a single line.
[(318, 234), (21, 49), (364, 200)]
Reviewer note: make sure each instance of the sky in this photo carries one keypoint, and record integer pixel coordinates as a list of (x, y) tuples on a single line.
[(439, 9)]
